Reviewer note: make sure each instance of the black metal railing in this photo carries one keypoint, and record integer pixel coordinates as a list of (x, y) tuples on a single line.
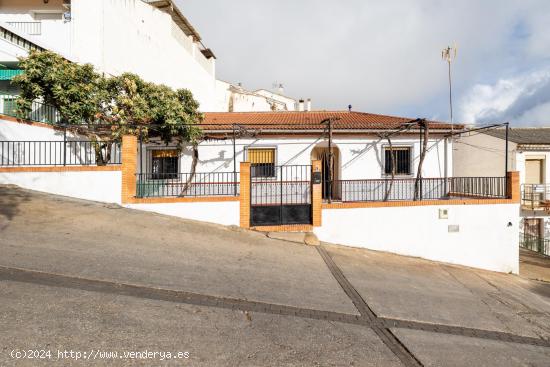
[(187, 185), (11, 37), (280, 185), (534, 243), (482, 187), (53, 153), (40, 112), (409, 189), (535, 196)]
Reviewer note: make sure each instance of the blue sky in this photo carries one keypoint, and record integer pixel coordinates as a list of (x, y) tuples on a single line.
[(385, 56)]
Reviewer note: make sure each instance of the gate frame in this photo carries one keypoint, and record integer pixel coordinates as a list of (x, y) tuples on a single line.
[(245, 201)]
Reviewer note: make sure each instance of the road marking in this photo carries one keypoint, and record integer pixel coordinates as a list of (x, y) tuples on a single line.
[(384, 333)]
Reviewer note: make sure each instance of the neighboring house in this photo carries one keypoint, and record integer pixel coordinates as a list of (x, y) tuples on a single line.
[(150, 38), (235, 98), (483, 154)]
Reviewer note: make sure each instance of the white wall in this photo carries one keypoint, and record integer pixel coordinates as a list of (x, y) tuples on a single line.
[(484, 239), (477, 154), (223, 212), (122, 36), (360, 158), (132, 36), (55, 33), (104, 186)]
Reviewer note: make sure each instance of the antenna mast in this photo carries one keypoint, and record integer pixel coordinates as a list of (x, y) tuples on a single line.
[(449, 55)]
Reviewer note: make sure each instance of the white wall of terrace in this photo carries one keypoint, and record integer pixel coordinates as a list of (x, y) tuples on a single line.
[(360, 157)]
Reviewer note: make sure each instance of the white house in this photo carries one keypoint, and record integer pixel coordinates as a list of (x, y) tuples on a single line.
[(483, 153), (151, 38), (329, 172), (235, 98)]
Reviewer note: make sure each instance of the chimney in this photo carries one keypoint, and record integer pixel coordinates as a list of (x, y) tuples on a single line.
[(349, 108), (301, 105), (281, 89), (308, 104)]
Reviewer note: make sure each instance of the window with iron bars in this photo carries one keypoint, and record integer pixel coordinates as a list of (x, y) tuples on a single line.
[(164, 164), (262, 162), (402, 161)]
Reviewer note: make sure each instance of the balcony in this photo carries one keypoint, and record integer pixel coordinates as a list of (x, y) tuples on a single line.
[(30, 28), (535, 197)]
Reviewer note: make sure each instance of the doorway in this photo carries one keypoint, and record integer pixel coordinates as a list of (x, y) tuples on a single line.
[(332, 188)]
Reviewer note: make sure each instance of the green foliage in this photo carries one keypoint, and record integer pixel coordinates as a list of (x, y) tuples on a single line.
[(107, 108)]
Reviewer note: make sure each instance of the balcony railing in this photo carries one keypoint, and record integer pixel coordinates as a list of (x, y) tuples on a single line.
[(52, 153), (11, 37), (30, 28), (187, 185), (535, 243), (408, 189), (40, 112), (535, 196)]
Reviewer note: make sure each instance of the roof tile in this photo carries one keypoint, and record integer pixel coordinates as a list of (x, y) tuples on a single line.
[(310, 120)]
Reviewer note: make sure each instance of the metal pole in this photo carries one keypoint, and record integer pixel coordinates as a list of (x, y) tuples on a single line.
[(450, 93), (419, 168), (65, 146), (329, 188), (506, 159), (140, 153), (234, 164), (446, 168)]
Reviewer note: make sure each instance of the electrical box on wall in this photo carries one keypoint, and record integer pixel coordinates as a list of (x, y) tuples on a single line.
[(443, 213), (316, 178)]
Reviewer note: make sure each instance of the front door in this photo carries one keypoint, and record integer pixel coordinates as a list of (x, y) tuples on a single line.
[(534, 191), (534, 171)]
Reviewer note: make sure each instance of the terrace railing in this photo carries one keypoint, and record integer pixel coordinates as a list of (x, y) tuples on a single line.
[(187, 185), (535, 243), (426, 189), (30, 28), (52, 153), (535, 196), (40, 112)]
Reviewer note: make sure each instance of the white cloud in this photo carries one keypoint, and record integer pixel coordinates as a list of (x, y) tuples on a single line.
[(380, 56), (523, 100)]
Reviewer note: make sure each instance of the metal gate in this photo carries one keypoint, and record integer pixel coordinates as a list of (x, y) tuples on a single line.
[(280, 195)]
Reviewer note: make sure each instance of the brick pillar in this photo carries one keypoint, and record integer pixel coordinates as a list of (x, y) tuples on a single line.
[(129, 168), (245, 195), (513, 187), (316, 195)]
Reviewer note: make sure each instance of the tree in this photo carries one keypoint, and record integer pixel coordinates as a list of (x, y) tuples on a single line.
[(106, 108)]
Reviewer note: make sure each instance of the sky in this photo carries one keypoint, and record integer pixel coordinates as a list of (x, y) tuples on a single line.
[(385, 56)]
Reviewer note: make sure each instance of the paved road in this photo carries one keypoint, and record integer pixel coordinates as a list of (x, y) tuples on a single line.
[(93, 278)]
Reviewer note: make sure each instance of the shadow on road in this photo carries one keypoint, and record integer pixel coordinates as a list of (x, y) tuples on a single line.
[(11, 198)]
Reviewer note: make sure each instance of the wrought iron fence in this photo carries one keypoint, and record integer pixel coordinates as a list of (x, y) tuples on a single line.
[(187, 185), (409, 189), (535, 196), (534, 243), (482, 187), (40, 112), (280, 185), (52, 153)]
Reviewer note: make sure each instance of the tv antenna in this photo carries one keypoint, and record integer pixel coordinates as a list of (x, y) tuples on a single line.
[(449, 55)]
